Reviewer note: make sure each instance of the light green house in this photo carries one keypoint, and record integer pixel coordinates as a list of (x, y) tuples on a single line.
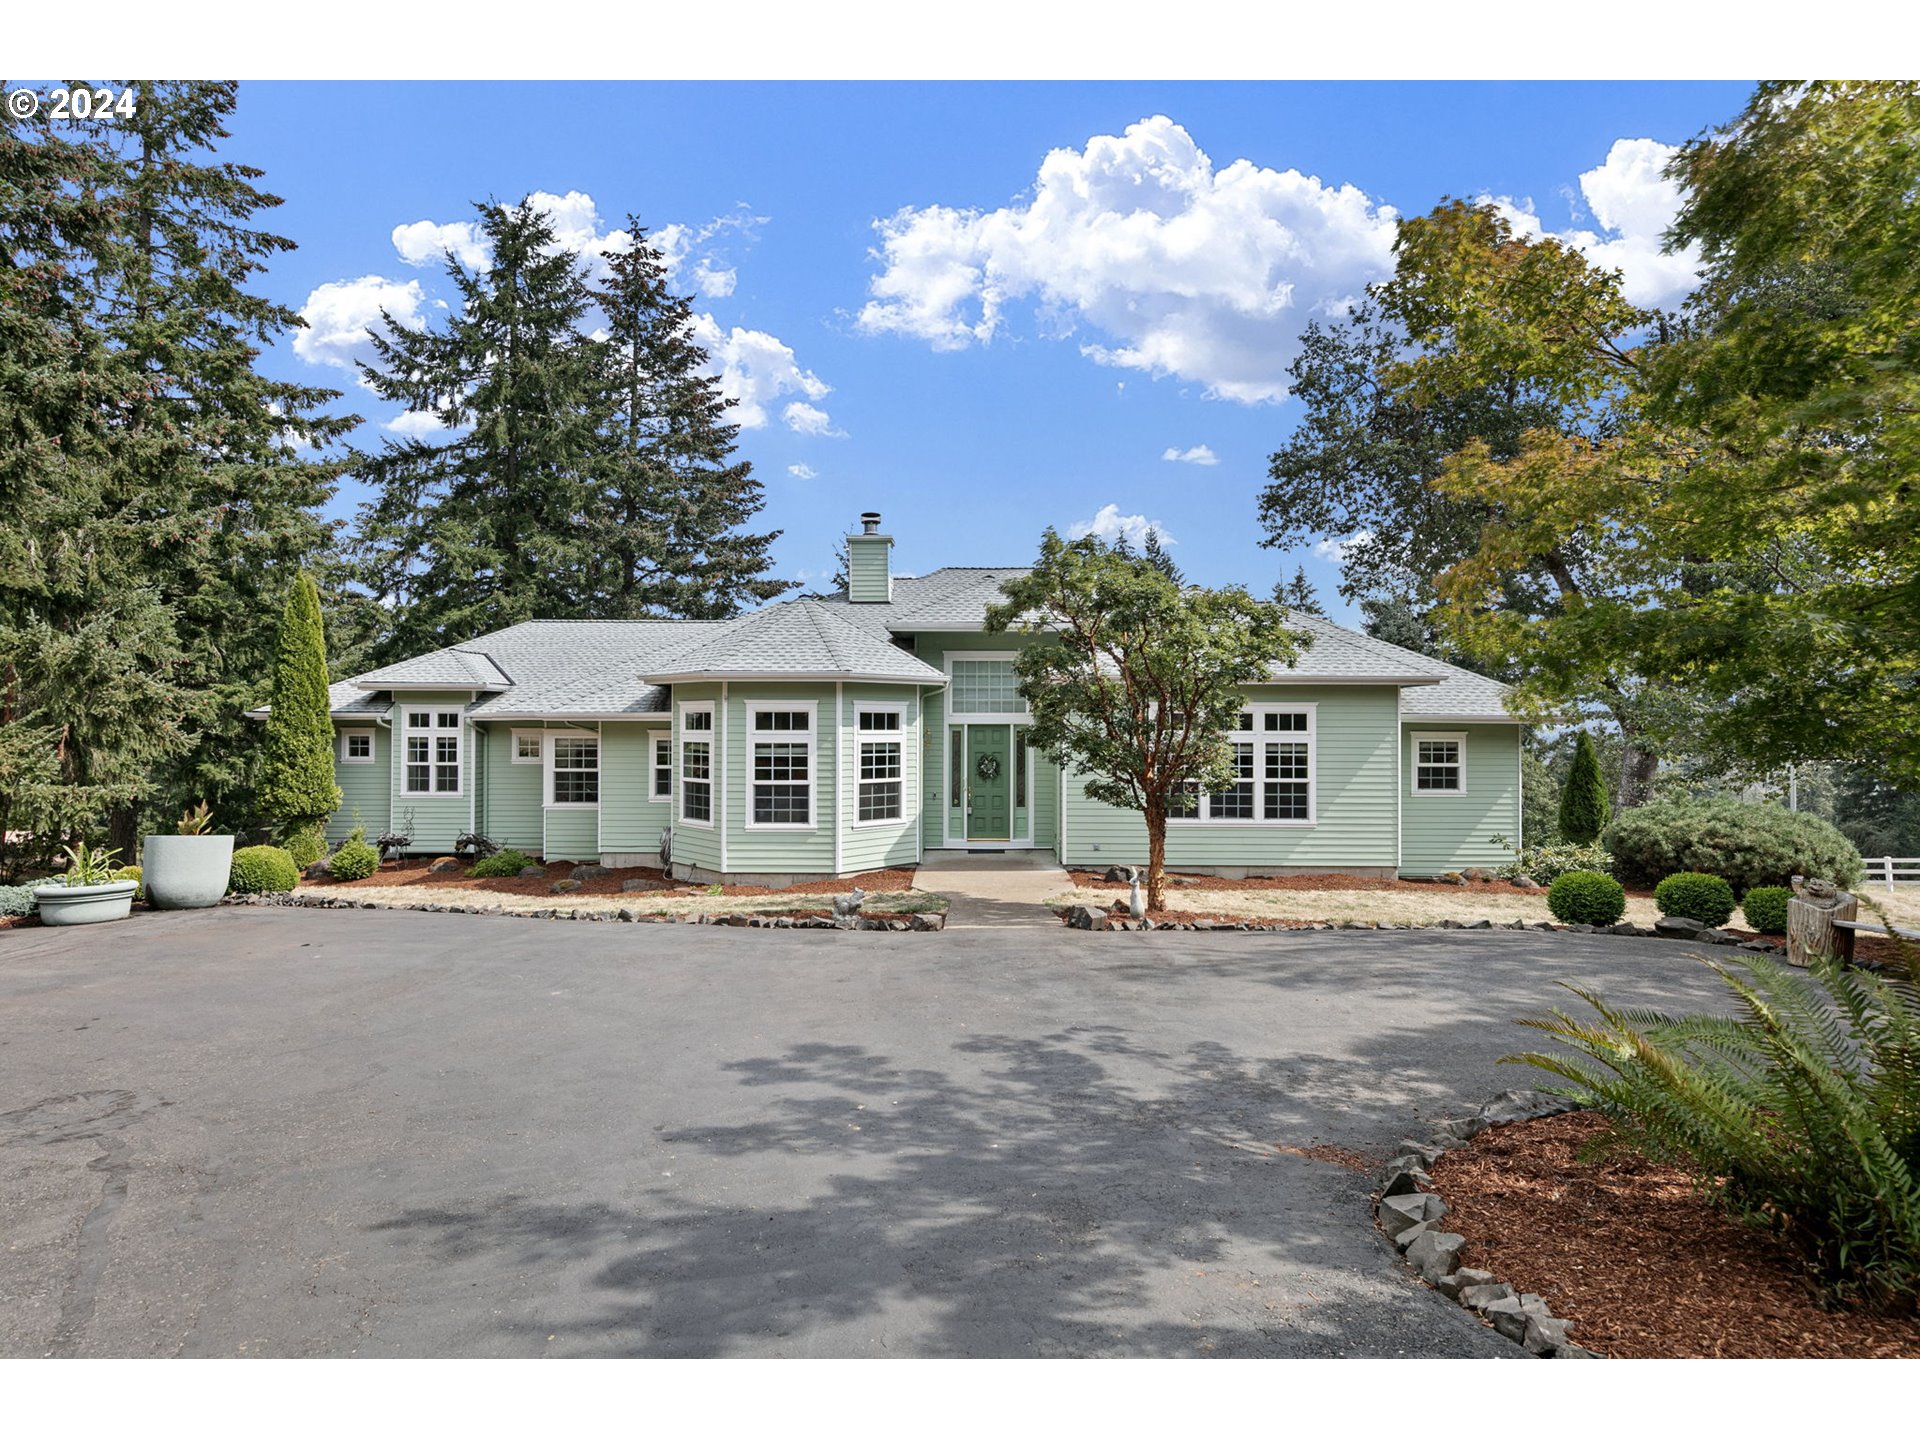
[(833, 736)]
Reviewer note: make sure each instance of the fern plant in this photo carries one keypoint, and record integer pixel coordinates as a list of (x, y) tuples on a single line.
[(1799, 1113)]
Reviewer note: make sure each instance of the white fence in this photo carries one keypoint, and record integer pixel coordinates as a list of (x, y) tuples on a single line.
[(1889, 870)]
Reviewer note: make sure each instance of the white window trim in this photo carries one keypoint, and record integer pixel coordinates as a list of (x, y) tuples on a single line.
[(553, 737), (712, 741), (513, 747), (1413, 756), (884, 737), (1022, 716), (346, 755), (655, 795), (1311, 737), (757, 708), (432, 732)]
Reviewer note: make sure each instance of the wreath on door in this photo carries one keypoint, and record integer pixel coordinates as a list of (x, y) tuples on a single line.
[(989, 767)]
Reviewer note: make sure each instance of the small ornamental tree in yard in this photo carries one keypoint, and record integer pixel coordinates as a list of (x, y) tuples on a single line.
[(1583, 803), (296, 782), (1135, 680)]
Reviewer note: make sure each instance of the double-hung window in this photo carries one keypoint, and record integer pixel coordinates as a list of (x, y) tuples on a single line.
[(1440, 764), (696, 764), (780, 758), (881, 785), (575, 772), (1272, 749), (432, 753), (662, 767)]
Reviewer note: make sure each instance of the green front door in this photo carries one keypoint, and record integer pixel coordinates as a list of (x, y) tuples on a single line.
[(989, 783)]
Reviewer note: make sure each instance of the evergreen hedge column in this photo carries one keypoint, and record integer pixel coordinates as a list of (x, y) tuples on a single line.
[(1583, 804), (296, 784)]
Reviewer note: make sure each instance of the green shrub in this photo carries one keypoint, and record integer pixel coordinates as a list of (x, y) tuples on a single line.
[(262, 870), (1765, 908), (17, 900), (305, 841), (502, 864), (1746, 845), (1797, 1114), (1583, 803), (1586, 897), (133, 873), (1544, 864), (354, 860), (1706, 898)]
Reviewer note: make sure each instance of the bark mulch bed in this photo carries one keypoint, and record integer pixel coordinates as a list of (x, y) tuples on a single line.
[(1630, 1253), (1094, 880), (1192, 917), (415, 872)]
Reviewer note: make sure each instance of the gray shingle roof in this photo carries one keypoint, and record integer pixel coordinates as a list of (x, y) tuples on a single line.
[(1463, 695), (799, 637), (461, 667), (585, 667)]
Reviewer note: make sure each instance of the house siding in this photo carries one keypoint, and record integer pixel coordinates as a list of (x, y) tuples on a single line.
[(694, 845), (874, 847), (631, 819), (363, 788), (512, 797), (1450, 832), (764, 851), (1354, 776)]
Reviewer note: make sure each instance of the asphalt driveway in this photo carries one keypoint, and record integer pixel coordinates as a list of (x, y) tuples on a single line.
[(262, 1132)]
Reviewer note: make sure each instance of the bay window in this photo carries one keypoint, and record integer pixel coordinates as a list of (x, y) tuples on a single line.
[(780, 761), (696, 764), (880, 778)]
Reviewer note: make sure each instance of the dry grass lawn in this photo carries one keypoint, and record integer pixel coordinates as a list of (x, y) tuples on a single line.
[(640, 902), (1425, 906)]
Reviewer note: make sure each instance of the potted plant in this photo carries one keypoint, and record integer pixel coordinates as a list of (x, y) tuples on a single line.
[(187, 870), (87, 893)]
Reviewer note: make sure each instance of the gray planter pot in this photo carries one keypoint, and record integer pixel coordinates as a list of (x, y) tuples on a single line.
[(85, 904), (185, 872)]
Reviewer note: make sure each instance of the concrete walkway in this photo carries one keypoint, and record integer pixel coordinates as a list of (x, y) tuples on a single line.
[(1006, 888)]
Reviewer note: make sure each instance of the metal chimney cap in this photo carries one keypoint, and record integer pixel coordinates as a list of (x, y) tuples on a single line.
[(870, 522)]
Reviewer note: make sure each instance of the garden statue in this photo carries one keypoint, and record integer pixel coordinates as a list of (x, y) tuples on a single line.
[(1136, 907)]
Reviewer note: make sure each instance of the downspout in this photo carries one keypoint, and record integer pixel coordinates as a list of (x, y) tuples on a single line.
[(839, 773), (1399, 762), (724, 794)]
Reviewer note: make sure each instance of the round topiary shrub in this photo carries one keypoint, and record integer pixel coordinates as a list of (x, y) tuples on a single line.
[(501, 865), (306, 842), (354, 860), (133, 873), (1744, 844), (262, 870), (1586, 897), (1706, 898), (1766, 908)]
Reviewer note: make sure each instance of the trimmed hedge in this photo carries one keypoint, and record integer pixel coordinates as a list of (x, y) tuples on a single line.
[(1706, 898), (262, 870), (1744, 844), (1544, 864), (501, 865), (354, 860), (1765, 908), (1586, 897)]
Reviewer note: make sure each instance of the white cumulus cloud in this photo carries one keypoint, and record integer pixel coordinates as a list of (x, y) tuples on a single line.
[(1174, 266), (1335, 548), (425, 243), (755, 368), (806, 419), (1632, 202), (802, 472), (339, 313), (415, 424), (1110, 525), (1192, 455)]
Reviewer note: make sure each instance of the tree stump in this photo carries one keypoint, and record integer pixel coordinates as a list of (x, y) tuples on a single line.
[(1811, 933)]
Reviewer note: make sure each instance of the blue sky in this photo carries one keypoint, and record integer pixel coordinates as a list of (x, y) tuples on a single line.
[(921, 319)]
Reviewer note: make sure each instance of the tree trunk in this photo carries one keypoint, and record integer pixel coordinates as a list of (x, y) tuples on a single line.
[(1637, 769), (1156, 857)]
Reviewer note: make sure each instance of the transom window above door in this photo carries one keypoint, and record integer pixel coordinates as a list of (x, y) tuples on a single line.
[(985, 687)]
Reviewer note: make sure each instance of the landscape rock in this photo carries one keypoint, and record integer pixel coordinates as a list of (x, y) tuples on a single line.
[(1403, 1212), (1507, 1317), (1479, 1296), (930, 921), (1525, 882), (1625, 927), (1575, 1352), (1087, 917), (1581, 929), (1421, 1151), (1545, 1335), (1464, 1129), (1460, 1281), (1677, 927), (630, 886), (1408, 1237), (443, 865), (562, 887), (1406, 1180), (588, 872), (532, 872), (1118, 875), (1480, 925), (1512, 1105), (1436, 1253)]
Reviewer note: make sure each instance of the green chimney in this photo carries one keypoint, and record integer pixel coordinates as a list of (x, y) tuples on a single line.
[(869, 579)]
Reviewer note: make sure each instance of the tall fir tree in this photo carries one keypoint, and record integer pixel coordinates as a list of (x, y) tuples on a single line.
[(1298, 593), (297, 787), (485, 525), (667, 497), (182, 494), (1154, 552), (1584, 810)]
